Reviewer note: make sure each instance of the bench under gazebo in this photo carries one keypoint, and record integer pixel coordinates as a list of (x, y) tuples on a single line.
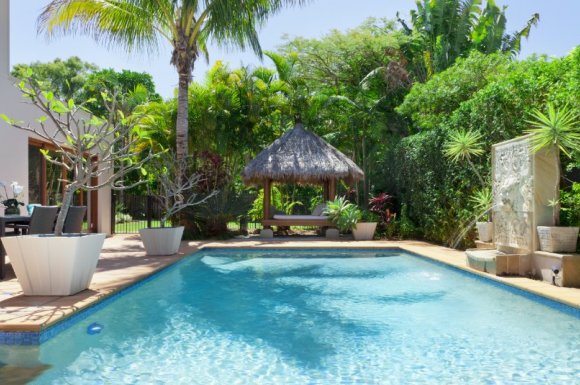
[(300, 157)]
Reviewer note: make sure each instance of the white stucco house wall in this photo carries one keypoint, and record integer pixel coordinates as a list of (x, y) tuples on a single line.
[(14, 143)]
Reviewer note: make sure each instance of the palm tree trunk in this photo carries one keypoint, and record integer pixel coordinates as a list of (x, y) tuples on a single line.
[(181, 129), (556, 208), (365, 170)]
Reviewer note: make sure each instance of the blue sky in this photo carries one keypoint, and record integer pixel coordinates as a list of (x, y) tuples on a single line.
[(557, 33)]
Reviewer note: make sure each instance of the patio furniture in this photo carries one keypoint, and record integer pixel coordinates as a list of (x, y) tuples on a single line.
[(41, 221), (74, 219), (4, 220)]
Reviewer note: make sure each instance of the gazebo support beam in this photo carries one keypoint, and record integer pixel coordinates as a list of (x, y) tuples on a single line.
[(267, 199), (331, 188)]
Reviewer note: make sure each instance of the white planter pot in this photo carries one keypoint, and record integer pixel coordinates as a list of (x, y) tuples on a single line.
[(161, 240), (50, 265), (558, 239), (364, 231), (485, 231)]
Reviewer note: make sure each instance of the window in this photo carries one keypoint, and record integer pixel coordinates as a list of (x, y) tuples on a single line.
[(45, 184)]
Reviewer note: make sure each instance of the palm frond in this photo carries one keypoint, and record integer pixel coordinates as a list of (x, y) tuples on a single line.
[(109, 22), (560, 128), (462, 145)]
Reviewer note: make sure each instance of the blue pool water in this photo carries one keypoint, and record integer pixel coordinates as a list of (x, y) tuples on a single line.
[(311, 317)]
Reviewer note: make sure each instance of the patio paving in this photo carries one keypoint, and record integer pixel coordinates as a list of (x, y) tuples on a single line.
[(123, 262)]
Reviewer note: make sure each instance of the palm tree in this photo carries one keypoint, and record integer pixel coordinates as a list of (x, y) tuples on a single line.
[(448, 29), (187, 25)]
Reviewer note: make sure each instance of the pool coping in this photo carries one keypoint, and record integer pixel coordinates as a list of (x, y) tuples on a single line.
[(536, 290)]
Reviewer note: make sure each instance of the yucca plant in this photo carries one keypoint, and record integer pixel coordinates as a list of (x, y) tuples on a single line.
[(558, 131), (464, 145), (482, 201)]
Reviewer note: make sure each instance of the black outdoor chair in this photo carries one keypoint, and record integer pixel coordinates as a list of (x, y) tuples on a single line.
[(41, 221), (74, 219)]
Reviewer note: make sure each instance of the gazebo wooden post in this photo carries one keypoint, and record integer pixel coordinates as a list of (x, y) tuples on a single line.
[(331, 188), (325, 194), (267, 200)]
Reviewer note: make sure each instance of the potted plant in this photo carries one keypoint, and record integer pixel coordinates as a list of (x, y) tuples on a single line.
[(174, 194), (89, 148), (482, 201), (343, 214), (557, 132), (365, 228), (11, 204)]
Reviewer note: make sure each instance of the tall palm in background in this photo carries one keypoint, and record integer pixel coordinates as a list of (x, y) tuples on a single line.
[(188, 26), (448, 29)]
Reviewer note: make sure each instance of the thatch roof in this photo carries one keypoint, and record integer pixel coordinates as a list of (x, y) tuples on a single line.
[(300, 156)]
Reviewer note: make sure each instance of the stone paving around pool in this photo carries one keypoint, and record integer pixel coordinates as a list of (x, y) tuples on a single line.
[(123, 262)]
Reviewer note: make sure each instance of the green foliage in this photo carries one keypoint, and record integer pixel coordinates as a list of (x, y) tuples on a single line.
[(64, 78), (432, 188), (430, 104), (256, 213), (407, 228), (448, 29), (484, 94), (129, 89), (570, 206), (123, 218), (463, 145), (343, 214), (370, 216), (482, 202), (559, 128)]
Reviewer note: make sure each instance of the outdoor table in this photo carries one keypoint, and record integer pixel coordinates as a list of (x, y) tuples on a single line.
[(4, 220)]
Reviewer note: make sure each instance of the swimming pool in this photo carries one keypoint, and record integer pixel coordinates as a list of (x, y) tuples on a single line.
[(311, 317)]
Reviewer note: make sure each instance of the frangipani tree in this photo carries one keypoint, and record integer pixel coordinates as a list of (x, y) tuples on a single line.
[(175, 194), (89, 148), (187, 25)]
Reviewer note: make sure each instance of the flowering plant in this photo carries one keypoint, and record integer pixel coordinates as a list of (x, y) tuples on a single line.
[(12, 202)]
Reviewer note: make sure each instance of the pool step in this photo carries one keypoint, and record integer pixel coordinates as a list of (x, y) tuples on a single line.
[(496, 262), (485, 245)]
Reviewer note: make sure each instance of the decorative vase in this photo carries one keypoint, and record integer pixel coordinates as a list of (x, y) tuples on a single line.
[(12, 210)]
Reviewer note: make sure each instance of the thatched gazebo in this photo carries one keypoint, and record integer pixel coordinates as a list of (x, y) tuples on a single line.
[(300, 156)]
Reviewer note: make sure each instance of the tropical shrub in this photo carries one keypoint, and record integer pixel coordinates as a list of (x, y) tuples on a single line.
[(570, 205), (343, 214)]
